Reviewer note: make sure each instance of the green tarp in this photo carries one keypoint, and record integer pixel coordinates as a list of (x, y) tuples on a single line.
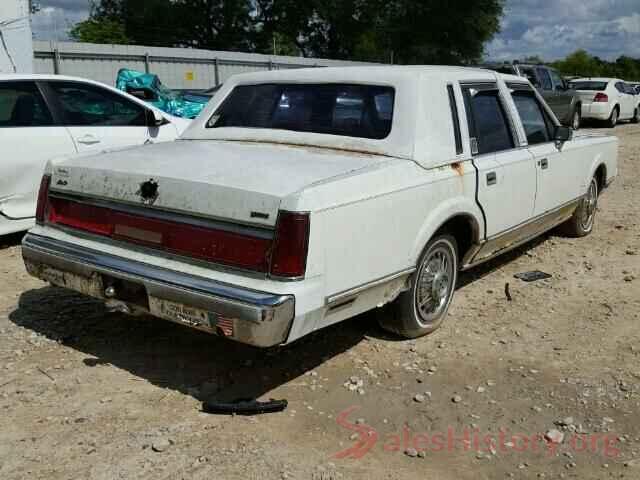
[(148, 87)]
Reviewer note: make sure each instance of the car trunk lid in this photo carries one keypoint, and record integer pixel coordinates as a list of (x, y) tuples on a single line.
[(232, 181)]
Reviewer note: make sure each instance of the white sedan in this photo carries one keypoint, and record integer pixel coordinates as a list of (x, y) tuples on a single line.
[(47, 116), (298, 199), (607, 99)]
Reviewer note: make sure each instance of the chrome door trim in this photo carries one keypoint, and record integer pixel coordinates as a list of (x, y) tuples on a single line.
[(522, 233), (338, 298)]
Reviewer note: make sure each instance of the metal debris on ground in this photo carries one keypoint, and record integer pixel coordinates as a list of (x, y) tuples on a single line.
[(244, 407), (532, 276)]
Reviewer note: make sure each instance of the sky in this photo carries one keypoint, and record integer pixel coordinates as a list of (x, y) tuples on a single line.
[(550, 29)]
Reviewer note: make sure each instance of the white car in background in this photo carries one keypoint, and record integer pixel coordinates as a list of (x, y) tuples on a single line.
[(47, 116), (607, 99)]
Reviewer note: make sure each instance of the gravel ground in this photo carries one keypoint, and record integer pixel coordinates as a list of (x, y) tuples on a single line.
[(89, 394)]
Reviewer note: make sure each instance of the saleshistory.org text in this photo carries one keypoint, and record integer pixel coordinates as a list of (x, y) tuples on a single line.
[(469, 439)]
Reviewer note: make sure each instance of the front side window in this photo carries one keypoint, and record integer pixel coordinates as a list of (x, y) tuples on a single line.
[(545, 79), (89, 105), (490, 122), (557, 79), (533, 118), (21, 105), (363, 111)]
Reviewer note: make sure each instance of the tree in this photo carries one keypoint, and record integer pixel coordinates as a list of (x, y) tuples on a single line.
[(409, 31), (99, 31)]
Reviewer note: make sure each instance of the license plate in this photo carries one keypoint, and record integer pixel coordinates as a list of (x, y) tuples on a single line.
[(194, 317)]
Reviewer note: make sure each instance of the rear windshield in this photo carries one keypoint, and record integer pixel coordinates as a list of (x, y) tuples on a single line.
[(364, 111), (588, 85)]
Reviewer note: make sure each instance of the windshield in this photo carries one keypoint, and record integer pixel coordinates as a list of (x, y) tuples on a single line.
[(363, 111), (588, 85)]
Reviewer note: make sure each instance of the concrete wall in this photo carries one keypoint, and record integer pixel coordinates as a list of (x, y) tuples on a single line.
[(176, 67)]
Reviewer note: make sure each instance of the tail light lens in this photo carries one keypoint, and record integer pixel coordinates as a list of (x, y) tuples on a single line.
[(601, 97), (283, 256), (289, 257), (43, 198), (213, 245)]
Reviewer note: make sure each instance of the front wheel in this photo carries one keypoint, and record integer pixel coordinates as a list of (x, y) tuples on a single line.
[(421, 309), (636, 116), (581, 223)]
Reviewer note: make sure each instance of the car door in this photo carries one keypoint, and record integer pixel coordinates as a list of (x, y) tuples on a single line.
[(562, 97), (633, 95), (29, 136), (549, 93), (506, 174), (624, 100), (557, 166), (97, 117)]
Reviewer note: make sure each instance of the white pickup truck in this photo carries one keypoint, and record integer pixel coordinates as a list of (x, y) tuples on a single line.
[(300, 198)]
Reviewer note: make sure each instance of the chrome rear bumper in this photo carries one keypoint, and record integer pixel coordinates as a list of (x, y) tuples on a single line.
[(248, 316)]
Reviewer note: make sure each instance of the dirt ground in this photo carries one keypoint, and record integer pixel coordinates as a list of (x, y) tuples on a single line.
[(87, 394)]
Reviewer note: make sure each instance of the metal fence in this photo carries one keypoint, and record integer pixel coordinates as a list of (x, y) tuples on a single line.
[(180, 68)]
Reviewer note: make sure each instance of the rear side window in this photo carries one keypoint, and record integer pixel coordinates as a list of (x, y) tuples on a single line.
[(22, 105), (533, 118), (489, 120), (89, 105), (364, 111)]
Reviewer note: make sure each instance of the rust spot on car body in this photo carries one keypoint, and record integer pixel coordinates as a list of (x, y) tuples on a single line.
[(458, 167)]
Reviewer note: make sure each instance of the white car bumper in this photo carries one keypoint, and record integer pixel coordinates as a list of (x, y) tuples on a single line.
[(596, 110)]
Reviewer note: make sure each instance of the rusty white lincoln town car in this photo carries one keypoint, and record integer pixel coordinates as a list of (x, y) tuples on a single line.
[(298, 199)]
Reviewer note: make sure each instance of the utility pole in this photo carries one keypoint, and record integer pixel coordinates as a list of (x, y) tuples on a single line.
[(16, 40)]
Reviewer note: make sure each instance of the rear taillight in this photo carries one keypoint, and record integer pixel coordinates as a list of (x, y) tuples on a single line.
[(43, 198), (213, 245), (601, 97), (289, 257), (283, 256)]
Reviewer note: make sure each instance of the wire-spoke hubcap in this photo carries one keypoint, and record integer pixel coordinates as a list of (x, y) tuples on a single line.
[(435, 283), (589, 206)]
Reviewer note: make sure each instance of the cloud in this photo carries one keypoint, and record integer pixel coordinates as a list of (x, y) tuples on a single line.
[(552, 29), (57, 17)]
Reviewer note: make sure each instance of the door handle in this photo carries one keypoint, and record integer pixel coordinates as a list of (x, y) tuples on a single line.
[(544, 163), (492, 178), (88, 140)]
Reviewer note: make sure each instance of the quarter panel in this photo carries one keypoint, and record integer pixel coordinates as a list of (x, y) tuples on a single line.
[(384, 218)]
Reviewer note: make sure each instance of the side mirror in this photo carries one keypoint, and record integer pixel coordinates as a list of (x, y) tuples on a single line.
[(155, 119), (563, 134)]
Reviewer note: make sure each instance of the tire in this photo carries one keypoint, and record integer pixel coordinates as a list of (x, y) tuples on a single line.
[(613, 118), (433, 282), (576, 119), (581, 222), (636, 116)]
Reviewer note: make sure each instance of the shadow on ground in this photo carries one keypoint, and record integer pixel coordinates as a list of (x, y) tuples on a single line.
[(173, 356), (11, 240), (195, 363)]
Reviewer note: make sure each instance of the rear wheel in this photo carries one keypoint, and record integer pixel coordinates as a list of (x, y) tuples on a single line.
[(421, 309), (581, 223), (576, 120), (613, 118)]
